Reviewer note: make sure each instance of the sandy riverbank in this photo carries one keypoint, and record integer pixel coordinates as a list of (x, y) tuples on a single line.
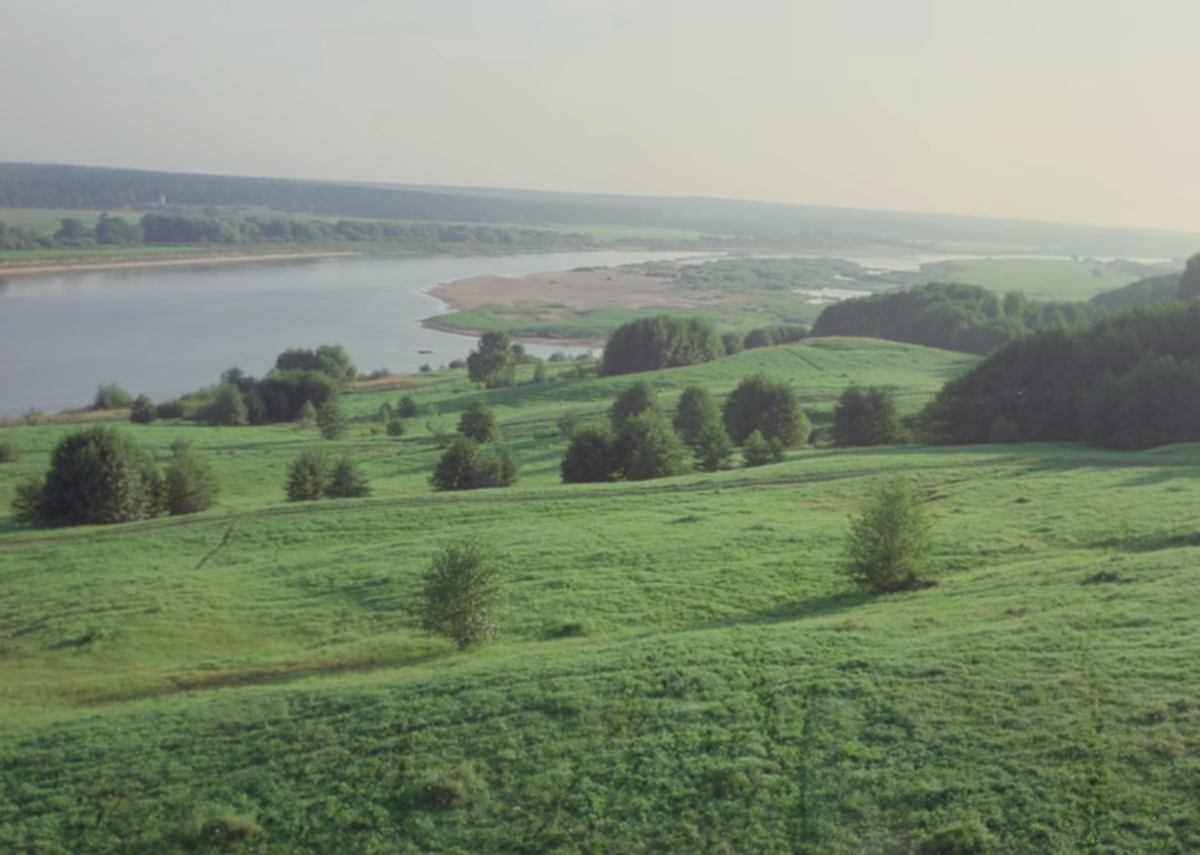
[(18, 269)]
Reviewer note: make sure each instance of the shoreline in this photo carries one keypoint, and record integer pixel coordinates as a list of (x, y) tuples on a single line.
[(85, 266), (593, 344)]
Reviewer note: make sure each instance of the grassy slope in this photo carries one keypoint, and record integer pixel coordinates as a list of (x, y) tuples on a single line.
[(162, 690), (1042, 279)]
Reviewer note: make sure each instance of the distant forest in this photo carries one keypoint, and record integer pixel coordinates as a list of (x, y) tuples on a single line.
[(747, 223)]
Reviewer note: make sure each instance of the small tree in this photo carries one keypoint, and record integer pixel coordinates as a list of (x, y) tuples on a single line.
[(649, 447), (890, 539), (713, 447), (768, 406), (493, 363), (467, 465), (331, 420), (638, 398), (478, 422), (346, 480), (189, 483), (110, 396), (228, 408), (142, 411), (394, 427), (308, 476), (591, 457), (307, 416), (463, 593), (407, 407), (759, 451), (864, 417), (695, 410)]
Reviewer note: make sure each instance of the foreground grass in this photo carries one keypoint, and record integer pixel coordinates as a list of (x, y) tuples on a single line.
[(683, 668)]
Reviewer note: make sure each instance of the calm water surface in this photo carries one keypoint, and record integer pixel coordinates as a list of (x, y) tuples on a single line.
[(165, 331)]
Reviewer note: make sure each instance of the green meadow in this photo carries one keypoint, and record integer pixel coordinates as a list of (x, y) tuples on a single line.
[(1040, 278), (682, 667)]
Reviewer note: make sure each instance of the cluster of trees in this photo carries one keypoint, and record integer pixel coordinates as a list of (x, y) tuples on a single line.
[(965, 318), (642, 442), (316, 474), (473, 461), (663, 341), (100, 476), (1132, 380)]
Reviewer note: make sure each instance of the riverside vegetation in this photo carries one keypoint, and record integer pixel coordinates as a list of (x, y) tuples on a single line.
[(682, 663)]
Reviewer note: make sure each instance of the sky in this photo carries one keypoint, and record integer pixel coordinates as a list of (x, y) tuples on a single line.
[(1079, 111)]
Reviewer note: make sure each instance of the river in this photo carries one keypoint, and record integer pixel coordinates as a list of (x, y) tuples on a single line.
[(168, 330)]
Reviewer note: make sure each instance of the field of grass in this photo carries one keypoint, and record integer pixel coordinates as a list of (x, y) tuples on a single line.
[(682, 667), (1042, 279)]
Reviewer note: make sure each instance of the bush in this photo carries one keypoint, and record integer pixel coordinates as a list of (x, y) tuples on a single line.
[(328, 359), (890, 539), (307, 476), (394, 427), (865, 417), (478, 422), (467, 465), (228, 408), (649, 447), (170, 410), (330, 419), (759, 451), (97, 476), (638, 398), (664, 341), (768, 406), (733, 343), (591, 457), (142, 411), (407, 407), (713, 447), (110, 396), (189, 483), (346, 480), (463, 593), (568, 423), (695, 410)]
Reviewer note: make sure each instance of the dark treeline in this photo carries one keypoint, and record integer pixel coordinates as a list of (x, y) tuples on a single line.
[(1144, 292), (965, 318), (1132, 380), (663, 341), (158, 229)]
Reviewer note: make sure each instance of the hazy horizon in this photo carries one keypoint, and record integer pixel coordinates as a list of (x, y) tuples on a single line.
[(1060, 111)]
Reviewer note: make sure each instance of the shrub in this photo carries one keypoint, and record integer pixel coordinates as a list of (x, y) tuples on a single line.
[(695, 410), (407, 407), (649, 447), (228, 408), (591, 457), (394, 427), (170, 410), (638, 398), (463, 593), (768, 406), (346, 480), (457, 364), (759, 451), (307, 416), (189, 483), (733, 343), (467, 465), (865, 417), (110, 396), (713, 447), (307, 476), (478, 422), (142, 411), (97, 476), (890, 539), (568, 423), (331, 420)]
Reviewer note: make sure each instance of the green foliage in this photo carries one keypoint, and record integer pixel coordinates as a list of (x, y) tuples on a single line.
[(697, 408), (638, 398), (649, 447), (760, 451), (494, 362), (890, 540), (407, 407), (308, 476), (478, 422), (960, 838), (713, 447), (1189, 282), (394, 427), (189, 482), (97, 476), (1156, 289), (307, 415), (866, 416), (328, 359), (467, 465), (568, 423), (284, 393), (771, 336), (346, 480), (663, 341), (142, 411), (110, 396), (331, 421), (591, 457), (768, 406), (1156, 403), (463, 593), (732, 342), (9, 452), (539, 372), (228, 408)]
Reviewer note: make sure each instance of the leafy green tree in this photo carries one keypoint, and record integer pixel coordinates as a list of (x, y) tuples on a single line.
[(307, 417), (493, 363), (407, 407), (331, 420), (695, 411), (346, 480), (760, 451), (189, 482), (713, 447), (864, 417), (733, 343), (394, 427), (768, 406), (228, 408), (142, 410), (110, 396), (308, 476), (1189, 282), (467, 465), (97, 476), (328, 359), (479, 422), (649, 447), (539, 372), (890, 540), (463, 593), (664, 341), (591, 457), (638, 398)]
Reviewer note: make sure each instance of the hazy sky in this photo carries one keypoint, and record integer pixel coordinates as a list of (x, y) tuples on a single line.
[(1073, 110)]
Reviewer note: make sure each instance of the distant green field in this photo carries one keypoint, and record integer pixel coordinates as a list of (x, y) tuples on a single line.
[(682, 667), (1045, 279)]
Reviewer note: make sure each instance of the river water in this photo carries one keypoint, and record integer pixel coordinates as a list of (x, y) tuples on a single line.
[(168, 330)]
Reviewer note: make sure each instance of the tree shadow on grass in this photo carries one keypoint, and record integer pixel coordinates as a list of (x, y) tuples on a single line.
[(802, 609)]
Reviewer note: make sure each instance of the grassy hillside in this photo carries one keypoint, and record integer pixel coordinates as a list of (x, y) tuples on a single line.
[(682, 667)]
